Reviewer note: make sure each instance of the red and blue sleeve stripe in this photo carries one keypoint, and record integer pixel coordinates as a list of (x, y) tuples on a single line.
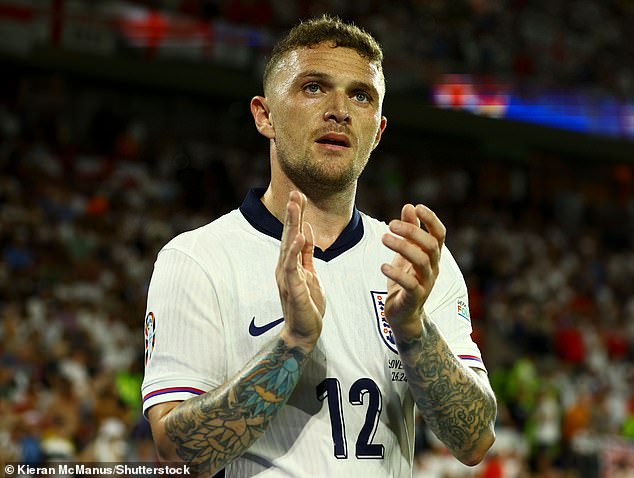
[(471, 358), (163, 391)]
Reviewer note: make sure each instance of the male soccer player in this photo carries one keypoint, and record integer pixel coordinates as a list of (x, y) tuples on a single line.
[(295, 335)]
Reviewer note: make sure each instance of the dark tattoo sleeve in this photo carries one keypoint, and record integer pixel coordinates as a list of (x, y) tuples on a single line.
[(211, 430), (457, 404)]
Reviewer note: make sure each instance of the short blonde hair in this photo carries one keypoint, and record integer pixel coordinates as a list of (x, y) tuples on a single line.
[(325, 29)]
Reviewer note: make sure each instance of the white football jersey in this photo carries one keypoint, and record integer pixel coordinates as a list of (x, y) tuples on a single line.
[(213, 303)]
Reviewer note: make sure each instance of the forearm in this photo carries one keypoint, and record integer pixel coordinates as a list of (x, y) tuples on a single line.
[(456, 403), (211, 430)]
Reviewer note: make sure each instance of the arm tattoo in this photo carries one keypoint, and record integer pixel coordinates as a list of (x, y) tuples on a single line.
[(455, 403), (214, 428)]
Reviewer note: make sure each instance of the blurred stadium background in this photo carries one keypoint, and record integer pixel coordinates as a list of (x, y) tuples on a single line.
[(123, 123)]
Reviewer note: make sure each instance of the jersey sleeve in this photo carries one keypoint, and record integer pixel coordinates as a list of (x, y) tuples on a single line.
[(449, 310), (184, 336)]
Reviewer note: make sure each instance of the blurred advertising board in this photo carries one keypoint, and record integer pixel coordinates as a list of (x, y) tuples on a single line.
[(580, 111)]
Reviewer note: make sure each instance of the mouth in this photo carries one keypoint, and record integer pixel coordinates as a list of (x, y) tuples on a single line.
[(335, 141)]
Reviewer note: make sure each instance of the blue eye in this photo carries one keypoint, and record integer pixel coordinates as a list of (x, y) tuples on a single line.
[(362, 97), (312, 88)]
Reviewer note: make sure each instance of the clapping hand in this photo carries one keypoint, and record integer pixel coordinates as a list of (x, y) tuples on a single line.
[(415, 266), (301, 293)]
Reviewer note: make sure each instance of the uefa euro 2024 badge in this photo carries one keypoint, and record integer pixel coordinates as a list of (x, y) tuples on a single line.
[(150, 336)]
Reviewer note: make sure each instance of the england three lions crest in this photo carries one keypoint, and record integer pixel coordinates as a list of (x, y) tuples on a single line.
[(385, 331)]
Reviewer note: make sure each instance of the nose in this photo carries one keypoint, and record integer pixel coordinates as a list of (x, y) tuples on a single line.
[(338, 108)]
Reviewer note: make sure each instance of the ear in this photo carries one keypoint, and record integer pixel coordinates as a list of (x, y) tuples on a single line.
[(262, 117), (379, 132)]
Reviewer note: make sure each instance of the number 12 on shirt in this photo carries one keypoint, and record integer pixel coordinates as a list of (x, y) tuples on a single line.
[(330, 389)]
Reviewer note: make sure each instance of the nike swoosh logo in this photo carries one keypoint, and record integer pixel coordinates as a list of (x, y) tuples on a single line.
[(257, 330)]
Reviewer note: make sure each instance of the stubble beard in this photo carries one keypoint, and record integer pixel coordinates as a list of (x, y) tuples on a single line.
[(322, 175)]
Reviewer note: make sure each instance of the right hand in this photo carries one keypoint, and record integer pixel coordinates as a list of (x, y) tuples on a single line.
[(301, 293)]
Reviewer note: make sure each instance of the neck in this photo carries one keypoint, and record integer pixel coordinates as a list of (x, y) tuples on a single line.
[(327, 213)]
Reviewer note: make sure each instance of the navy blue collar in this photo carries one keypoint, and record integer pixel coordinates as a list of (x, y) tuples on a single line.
[(261, 219)]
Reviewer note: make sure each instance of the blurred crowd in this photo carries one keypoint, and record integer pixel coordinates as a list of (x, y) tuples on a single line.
[(94, 179), (543, 43)]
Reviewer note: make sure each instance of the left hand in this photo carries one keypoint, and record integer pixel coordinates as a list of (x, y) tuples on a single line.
[(414, 270)]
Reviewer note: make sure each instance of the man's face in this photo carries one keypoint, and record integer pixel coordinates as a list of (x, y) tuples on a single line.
[(325, 111)]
